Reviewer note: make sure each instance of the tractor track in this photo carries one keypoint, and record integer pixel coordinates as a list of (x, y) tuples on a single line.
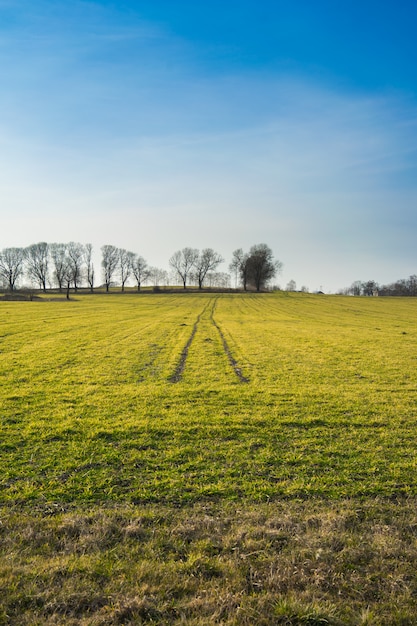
[(176, 376), (237, 370)]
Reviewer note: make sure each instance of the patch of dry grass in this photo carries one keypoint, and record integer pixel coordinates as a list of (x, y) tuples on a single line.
[(313, 562)]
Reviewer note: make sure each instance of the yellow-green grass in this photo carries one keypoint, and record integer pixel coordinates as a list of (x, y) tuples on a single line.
[(90, 413), (131, 406)]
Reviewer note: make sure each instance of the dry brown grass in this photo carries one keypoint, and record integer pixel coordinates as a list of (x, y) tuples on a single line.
[(313, 562)]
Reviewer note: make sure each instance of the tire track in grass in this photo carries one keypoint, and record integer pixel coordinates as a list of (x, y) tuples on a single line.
[(237, 370), (176, 376)]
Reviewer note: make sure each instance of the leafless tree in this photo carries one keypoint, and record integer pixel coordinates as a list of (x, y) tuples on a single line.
[(140, 270), (218, 279), (183, 262), (291, 286), (109, 262), (240, 267), (75, 261), (88, 260), (59, 258), (67, 275), (157, 276), (125, 265), (37, 261), (235, 263), (207, 261), (12, 265), (356, 288), (412, 285), (401, 287)]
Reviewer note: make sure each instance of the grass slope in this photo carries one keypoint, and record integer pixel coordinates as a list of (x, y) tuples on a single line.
[(282, 425)]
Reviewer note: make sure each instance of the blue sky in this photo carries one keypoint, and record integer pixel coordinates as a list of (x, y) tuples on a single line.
[(154, 125)]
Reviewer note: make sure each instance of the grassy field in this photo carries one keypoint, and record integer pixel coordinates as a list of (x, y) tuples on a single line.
[(208, 458)]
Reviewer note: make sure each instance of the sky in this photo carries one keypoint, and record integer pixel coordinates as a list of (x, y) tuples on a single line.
[(159, 124)]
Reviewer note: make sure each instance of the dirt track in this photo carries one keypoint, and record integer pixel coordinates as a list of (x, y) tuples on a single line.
[(176, 376)]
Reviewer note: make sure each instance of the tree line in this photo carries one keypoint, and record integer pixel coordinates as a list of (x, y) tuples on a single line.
[(401, 287), (70, 265)]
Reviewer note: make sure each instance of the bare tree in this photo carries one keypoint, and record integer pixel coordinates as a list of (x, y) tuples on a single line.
[(157, 276), (207, 261), (402, 287), (412, 285), (109, 262), (88, 260), (234, 265), (140, 270), (240, 267), (291, 286), (59, 258), (218, 279), (183, 262), (75, 262), (11, 265), (261, 265), (356, 288), (37, 260), (67, 275), (125, 265)]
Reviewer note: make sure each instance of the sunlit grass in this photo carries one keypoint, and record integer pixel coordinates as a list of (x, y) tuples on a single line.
[(279, 398), (89, 413)]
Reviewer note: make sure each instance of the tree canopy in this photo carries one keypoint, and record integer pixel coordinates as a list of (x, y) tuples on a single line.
[(256, 267)]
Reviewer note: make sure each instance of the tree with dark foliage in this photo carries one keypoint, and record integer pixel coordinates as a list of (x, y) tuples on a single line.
[(255, 268), (262, 266)]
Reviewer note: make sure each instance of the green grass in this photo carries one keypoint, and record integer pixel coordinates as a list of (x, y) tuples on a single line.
[(88, 412), (239, 407)]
